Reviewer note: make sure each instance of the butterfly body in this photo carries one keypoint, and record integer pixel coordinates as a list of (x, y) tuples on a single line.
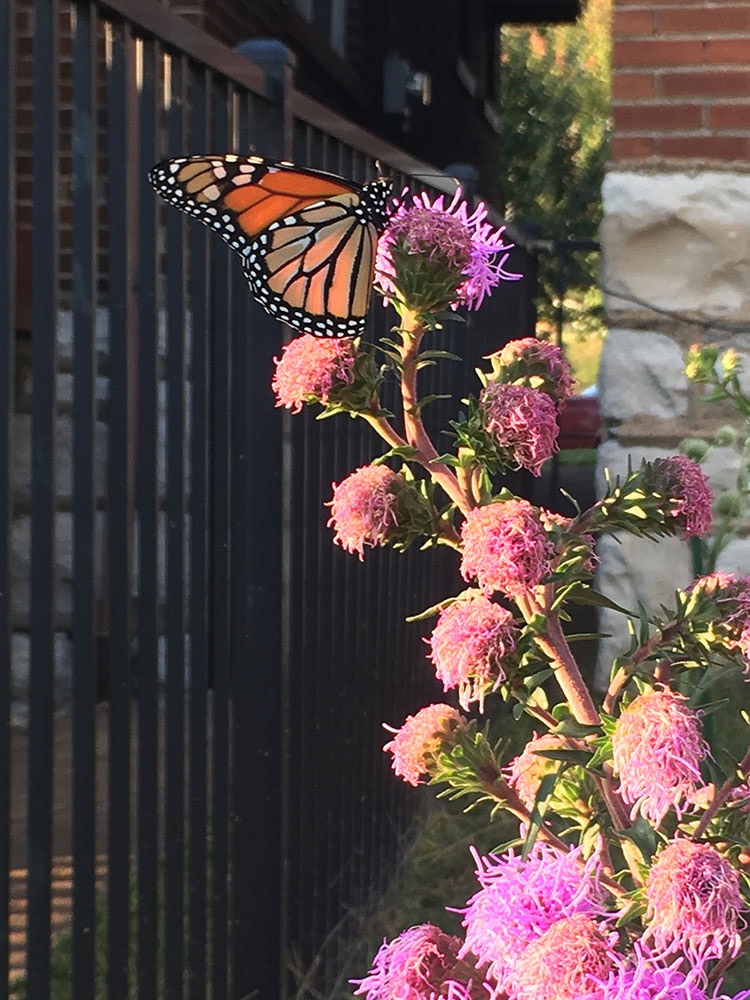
[(307, 238)]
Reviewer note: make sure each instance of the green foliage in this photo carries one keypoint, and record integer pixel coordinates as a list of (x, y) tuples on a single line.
[(556, 126)]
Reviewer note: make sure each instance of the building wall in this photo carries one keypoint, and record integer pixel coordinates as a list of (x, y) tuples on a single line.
[(676, 257)]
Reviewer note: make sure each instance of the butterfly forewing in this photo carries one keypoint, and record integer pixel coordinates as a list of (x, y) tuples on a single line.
[(307, 238)]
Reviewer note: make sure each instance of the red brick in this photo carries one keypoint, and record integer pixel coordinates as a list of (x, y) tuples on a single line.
[(705, 147), (727, 50), (704, 84), (631, 86), (729, 116), (629, 23), (657, 118), (632, 147), (710, 21), (658, 52)]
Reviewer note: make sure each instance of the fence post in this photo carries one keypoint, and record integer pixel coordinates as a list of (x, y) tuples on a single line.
[(258, 628)]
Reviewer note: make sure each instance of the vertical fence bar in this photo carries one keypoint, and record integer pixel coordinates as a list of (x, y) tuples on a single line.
[(7, 375), (44, 322), (147, 499), (174, 599), (199, 594), (220, 449), (84, 497), (119, 49)]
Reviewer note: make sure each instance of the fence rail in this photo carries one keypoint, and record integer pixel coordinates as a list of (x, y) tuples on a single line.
[(192, 679)]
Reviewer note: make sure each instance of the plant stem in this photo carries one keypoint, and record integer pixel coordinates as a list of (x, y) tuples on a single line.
[(385, 429), (721, 797), (503, 793), (568, 675), (412, 332)]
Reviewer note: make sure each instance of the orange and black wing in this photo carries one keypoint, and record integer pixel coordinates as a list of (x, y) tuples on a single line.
[(314, 270), (307, 238)]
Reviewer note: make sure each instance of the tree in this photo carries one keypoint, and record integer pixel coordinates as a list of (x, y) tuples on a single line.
[(556, 125)]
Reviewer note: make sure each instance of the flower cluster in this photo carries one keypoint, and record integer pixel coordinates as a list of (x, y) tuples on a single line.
[(520, 900), (657, 749), (522, 422), (536, 364), (683, 485), (722, 602), (565, 960), (375, 506), (693, 902), (642, 976), (588, 908), (411, 967), (506, 548), (470, 647), (526, 772), (312, 370), (433, 256), (421, 738)]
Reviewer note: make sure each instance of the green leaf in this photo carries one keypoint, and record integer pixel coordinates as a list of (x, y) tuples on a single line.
[(635, 909), (643, 835), (567, 756), (546, 788), (590, 596)]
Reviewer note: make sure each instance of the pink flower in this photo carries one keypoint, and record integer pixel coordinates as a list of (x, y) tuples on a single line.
[(657, 749), (522, 422), (728, 610), (642, 976), (412, 966), (520, 900), (693, 902), (526, 771), (469, 644), (432, 256), (684, 486), (505, 547), (535, 363), (420, 738), (565, 961), (364, 509), (311, 368)]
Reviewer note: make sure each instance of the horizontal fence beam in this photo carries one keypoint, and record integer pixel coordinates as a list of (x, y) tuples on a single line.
[(179, 33)]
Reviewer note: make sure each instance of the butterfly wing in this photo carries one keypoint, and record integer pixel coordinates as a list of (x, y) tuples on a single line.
[(314, 270), (306, 237)]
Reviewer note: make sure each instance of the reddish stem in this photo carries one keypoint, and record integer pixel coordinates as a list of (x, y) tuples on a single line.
[(425, 453)]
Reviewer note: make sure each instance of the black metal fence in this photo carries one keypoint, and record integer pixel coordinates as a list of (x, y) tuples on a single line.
[(193, 784)]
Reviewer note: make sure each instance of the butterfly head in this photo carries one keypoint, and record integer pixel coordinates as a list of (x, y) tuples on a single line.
[(376, 201)]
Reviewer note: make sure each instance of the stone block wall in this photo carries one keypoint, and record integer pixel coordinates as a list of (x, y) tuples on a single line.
[(675, 261)]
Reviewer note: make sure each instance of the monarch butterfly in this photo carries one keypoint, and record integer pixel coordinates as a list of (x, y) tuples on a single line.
[(307, 238)]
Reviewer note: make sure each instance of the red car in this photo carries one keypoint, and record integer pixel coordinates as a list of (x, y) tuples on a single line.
[(581, 421)]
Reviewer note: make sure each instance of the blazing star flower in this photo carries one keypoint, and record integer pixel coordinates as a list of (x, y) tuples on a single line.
[(412, 966), (537, 364), (526, 772), (521, 422), (566, 960), (657, 749), (469, 644), (420, 738), (730, 612), (683, 485), (642, 976), (693, 902), (520, 900), (374, 506), (505, 547), (311, 368), (432, 256)]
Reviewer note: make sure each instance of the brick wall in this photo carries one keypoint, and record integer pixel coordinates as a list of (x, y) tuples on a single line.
[(681, 80)]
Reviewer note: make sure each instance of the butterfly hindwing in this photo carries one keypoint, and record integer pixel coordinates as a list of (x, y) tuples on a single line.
[(307, 238)]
